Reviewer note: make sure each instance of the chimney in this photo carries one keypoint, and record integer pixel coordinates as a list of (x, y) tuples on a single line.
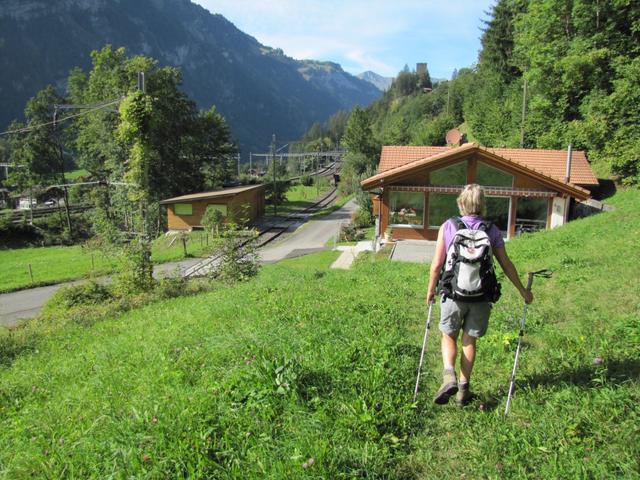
[(569, 155)]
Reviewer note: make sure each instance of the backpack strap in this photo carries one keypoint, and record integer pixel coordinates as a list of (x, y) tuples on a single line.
[(485, 226), (459, 223)]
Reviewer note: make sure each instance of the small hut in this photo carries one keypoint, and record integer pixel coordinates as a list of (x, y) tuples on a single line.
[(186, 212)]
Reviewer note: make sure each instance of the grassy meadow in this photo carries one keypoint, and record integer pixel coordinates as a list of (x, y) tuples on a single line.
[(61, 263), (306, 372), (300, 197)]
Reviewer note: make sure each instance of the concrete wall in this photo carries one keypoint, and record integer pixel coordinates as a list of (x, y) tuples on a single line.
[(559, 211)]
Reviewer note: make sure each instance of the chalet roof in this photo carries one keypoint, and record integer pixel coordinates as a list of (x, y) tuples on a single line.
[(225, 192), (552, 163), (406, 163)]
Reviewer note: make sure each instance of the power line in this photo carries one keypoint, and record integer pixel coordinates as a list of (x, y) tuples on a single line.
[(34, 127)]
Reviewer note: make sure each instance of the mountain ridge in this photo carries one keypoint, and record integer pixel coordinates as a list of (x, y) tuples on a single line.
[(257, 88), (381, 83)]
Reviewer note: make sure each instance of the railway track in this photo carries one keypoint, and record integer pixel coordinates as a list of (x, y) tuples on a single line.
[(266, 236)]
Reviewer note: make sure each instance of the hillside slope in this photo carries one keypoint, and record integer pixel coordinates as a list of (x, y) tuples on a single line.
[(305, 372), (258, 89)]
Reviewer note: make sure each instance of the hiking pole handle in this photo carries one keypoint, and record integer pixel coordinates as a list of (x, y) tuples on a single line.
[(530, 276)]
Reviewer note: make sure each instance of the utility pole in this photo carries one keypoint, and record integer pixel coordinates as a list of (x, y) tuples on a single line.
[(238, 162), (317, 179), (250, 162), (524, 112), (275, 185)]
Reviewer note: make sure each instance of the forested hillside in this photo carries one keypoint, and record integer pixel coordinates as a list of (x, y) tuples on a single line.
[(580, 61), (258, 89)]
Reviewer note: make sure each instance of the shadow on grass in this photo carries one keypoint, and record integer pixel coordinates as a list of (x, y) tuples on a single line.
[(613, 372)]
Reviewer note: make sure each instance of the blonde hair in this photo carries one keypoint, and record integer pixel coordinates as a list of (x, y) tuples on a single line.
[(471, 200)]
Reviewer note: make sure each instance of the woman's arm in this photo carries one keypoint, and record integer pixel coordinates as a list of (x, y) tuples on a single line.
[(436, 265), (510, 271)]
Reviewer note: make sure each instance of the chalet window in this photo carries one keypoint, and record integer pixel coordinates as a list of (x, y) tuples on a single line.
[(455, 174), (183, 209), (490, 176), (442, 206), (498, 211), (406, 209), (531, 214)]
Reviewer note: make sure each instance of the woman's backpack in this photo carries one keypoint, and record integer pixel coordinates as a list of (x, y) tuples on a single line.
[(468, 274)]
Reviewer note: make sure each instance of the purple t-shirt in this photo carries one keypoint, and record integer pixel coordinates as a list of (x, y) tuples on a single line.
[(473, 222)]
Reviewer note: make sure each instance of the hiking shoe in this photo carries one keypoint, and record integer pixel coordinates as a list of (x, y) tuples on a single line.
[(449, 387), (464, 395)]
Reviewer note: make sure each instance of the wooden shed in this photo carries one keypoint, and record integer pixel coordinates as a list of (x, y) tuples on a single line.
[(416, 187), (186, 212)]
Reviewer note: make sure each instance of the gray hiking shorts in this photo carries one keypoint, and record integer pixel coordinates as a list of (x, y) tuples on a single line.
[(472, 318)]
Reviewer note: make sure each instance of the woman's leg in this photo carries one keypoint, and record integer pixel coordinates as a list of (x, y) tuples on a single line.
[(449, 349), (467, 357)]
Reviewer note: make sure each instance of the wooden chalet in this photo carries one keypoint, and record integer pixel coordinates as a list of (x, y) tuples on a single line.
[(416, 188)]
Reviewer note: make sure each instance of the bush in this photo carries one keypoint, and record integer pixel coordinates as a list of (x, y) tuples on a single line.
[(238, 256), (362, 218), (213, 219), (350, 233), (91, 293), (282, 186), (306, 180)]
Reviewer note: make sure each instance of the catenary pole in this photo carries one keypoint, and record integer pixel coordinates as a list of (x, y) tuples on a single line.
[(273, 163)]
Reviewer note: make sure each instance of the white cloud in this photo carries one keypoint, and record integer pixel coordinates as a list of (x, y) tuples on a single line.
[(377, 35)]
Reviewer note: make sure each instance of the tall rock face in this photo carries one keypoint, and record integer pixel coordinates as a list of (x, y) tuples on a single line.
[(257, 88)]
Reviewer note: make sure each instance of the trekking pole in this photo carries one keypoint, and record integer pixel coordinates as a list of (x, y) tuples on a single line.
[(512, 383), (424, 345)]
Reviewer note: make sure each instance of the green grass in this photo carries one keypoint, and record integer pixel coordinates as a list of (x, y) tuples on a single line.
[(75, 174), (199, 244), (61, 263), (253, 380), (48, 265), (300, 197), (58, 264), (337, 205)]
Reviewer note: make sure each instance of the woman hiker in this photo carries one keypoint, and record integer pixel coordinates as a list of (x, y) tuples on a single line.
[(470, 317)]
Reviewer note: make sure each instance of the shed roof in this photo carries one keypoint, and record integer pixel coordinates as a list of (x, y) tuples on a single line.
[(552, 163), (445, 154), (225, 192)]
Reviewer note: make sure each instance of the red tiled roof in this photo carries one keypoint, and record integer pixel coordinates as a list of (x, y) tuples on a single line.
[(552, 163), (444, 154)]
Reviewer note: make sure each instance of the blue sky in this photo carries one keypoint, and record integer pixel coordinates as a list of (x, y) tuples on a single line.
[(377, 35)]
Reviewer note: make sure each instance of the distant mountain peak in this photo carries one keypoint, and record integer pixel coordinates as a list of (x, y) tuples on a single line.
[(380, 82), (257, 88)]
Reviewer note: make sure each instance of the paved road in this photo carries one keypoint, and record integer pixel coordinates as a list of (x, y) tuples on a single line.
[(309, 237), (28, 303)]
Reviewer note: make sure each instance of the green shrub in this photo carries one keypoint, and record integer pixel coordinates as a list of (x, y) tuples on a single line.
[(350, 233), (238, 256), (362, 218), (213, 219), (306, 180), (91, 293)]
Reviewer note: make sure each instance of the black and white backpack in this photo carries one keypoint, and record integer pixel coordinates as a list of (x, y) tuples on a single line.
[(468, 274)]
